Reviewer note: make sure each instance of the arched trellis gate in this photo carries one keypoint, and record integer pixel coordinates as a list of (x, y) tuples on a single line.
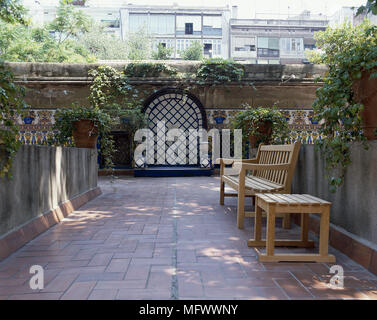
[(177, 109)]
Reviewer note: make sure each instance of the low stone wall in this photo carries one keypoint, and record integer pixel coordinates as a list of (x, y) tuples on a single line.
[(354, 204), (44, 179), (353, 210)]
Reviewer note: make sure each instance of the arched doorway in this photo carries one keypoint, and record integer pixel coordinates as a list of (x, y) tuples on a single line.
[(179, 110)]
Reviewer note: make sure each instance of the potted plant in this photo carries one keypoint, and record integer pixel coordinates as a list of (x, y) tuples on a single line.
[(261, 125), (80, 126)]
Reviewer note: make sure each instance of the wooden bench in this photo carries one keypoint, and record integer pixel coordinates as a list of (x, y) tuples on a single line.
[(271, 172), (303, 204)]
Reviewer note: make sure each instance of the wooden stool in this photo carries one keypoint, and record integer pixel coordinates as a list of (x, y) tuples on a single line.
[(274, 204)]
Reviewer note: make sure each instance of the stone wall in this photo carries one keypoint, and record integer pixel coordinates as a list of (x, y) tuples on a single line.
[(44, 178), (354, 204), (54, 85)]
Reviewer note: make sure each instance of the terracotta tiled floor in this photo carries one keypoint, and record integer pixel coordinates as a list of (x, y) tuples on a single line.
[(166, 238)]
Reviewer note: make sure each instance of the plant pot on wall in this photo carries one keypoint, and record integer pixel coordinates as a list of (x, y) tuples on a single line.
[(85, 134), (366, 93), (263, 136)]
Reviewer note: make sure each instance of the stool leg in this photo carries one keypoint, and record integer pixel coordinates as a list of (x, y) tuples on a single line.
[(287, 221), (304, 226), (324, 232), (270, 236), (258, 223)]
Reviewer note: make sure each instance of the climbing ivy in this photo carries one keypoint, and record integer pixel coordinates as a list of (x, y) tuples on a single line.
[(11, 106), (219, 71), (349, 52), (148, 69)]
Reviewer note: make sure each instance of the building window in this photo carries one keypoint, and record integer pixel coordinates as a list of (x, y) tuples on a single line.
[(268, 47), (292, 45), (189, 28)]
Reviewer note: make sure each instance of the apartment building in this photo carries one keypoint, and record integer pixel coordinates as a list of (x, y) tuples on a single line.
[(173, 26), (177, 27), (262, 40), (274, 41)]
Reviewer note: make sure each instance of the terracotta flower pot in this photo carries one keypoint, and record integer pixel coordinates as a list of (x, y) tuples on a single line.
[(366, 93), (264, 130), (85, 134)]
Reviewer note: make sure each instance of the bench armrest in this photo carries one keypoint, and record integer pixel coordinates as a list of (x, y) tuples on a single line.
[(223, 162)]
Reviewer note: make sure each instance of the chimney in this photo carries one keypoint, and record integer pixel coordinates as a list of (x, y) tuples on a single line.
[(234, 12)]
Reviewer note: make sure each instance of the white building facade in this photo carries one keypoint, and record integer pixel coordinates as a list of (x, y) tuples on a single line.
[(173, 26), (274, 41), (177, 27)]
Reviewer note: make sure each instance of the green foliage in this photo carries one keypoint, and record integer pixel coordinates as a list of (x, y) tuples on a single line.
[(370, 6), (148, 69), (250, 119), (69, 21), (219, 71), (194, 52), (11, 11), (11, 95), (37, 44), (138, 44), (103, 45), (65, 117), (11, 104), (348, 51), (162, 53), (33, 44), (112, 92)]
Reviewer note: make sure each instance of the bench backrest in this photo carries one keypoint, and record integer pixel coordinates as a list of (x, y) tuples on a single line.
[(278, 154)]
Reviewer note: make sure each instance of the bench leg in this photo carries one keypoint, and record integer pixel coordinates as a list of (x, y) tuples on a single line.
[(241, 208), (222, 190), (287, 221)]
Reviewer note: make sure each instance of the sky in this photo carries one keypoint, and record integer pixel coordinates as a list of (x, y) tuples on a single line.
[(246, 8)]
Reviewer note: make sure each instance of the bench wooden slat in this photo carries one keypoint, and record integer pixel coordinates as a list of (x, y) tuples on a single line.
[(309, 196)]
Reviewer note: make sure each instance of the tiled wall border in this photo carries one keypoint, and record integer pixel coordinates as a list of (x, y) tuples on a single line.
[(16, 239), (351, 247)]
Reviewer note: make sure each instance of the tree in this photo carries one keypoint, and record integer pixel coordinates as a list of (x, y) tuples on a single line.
[(194, 52), (138, 43), (12, 11), (370, 6), (69, 21), (162, 53), (34, 44), (102, 45)]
